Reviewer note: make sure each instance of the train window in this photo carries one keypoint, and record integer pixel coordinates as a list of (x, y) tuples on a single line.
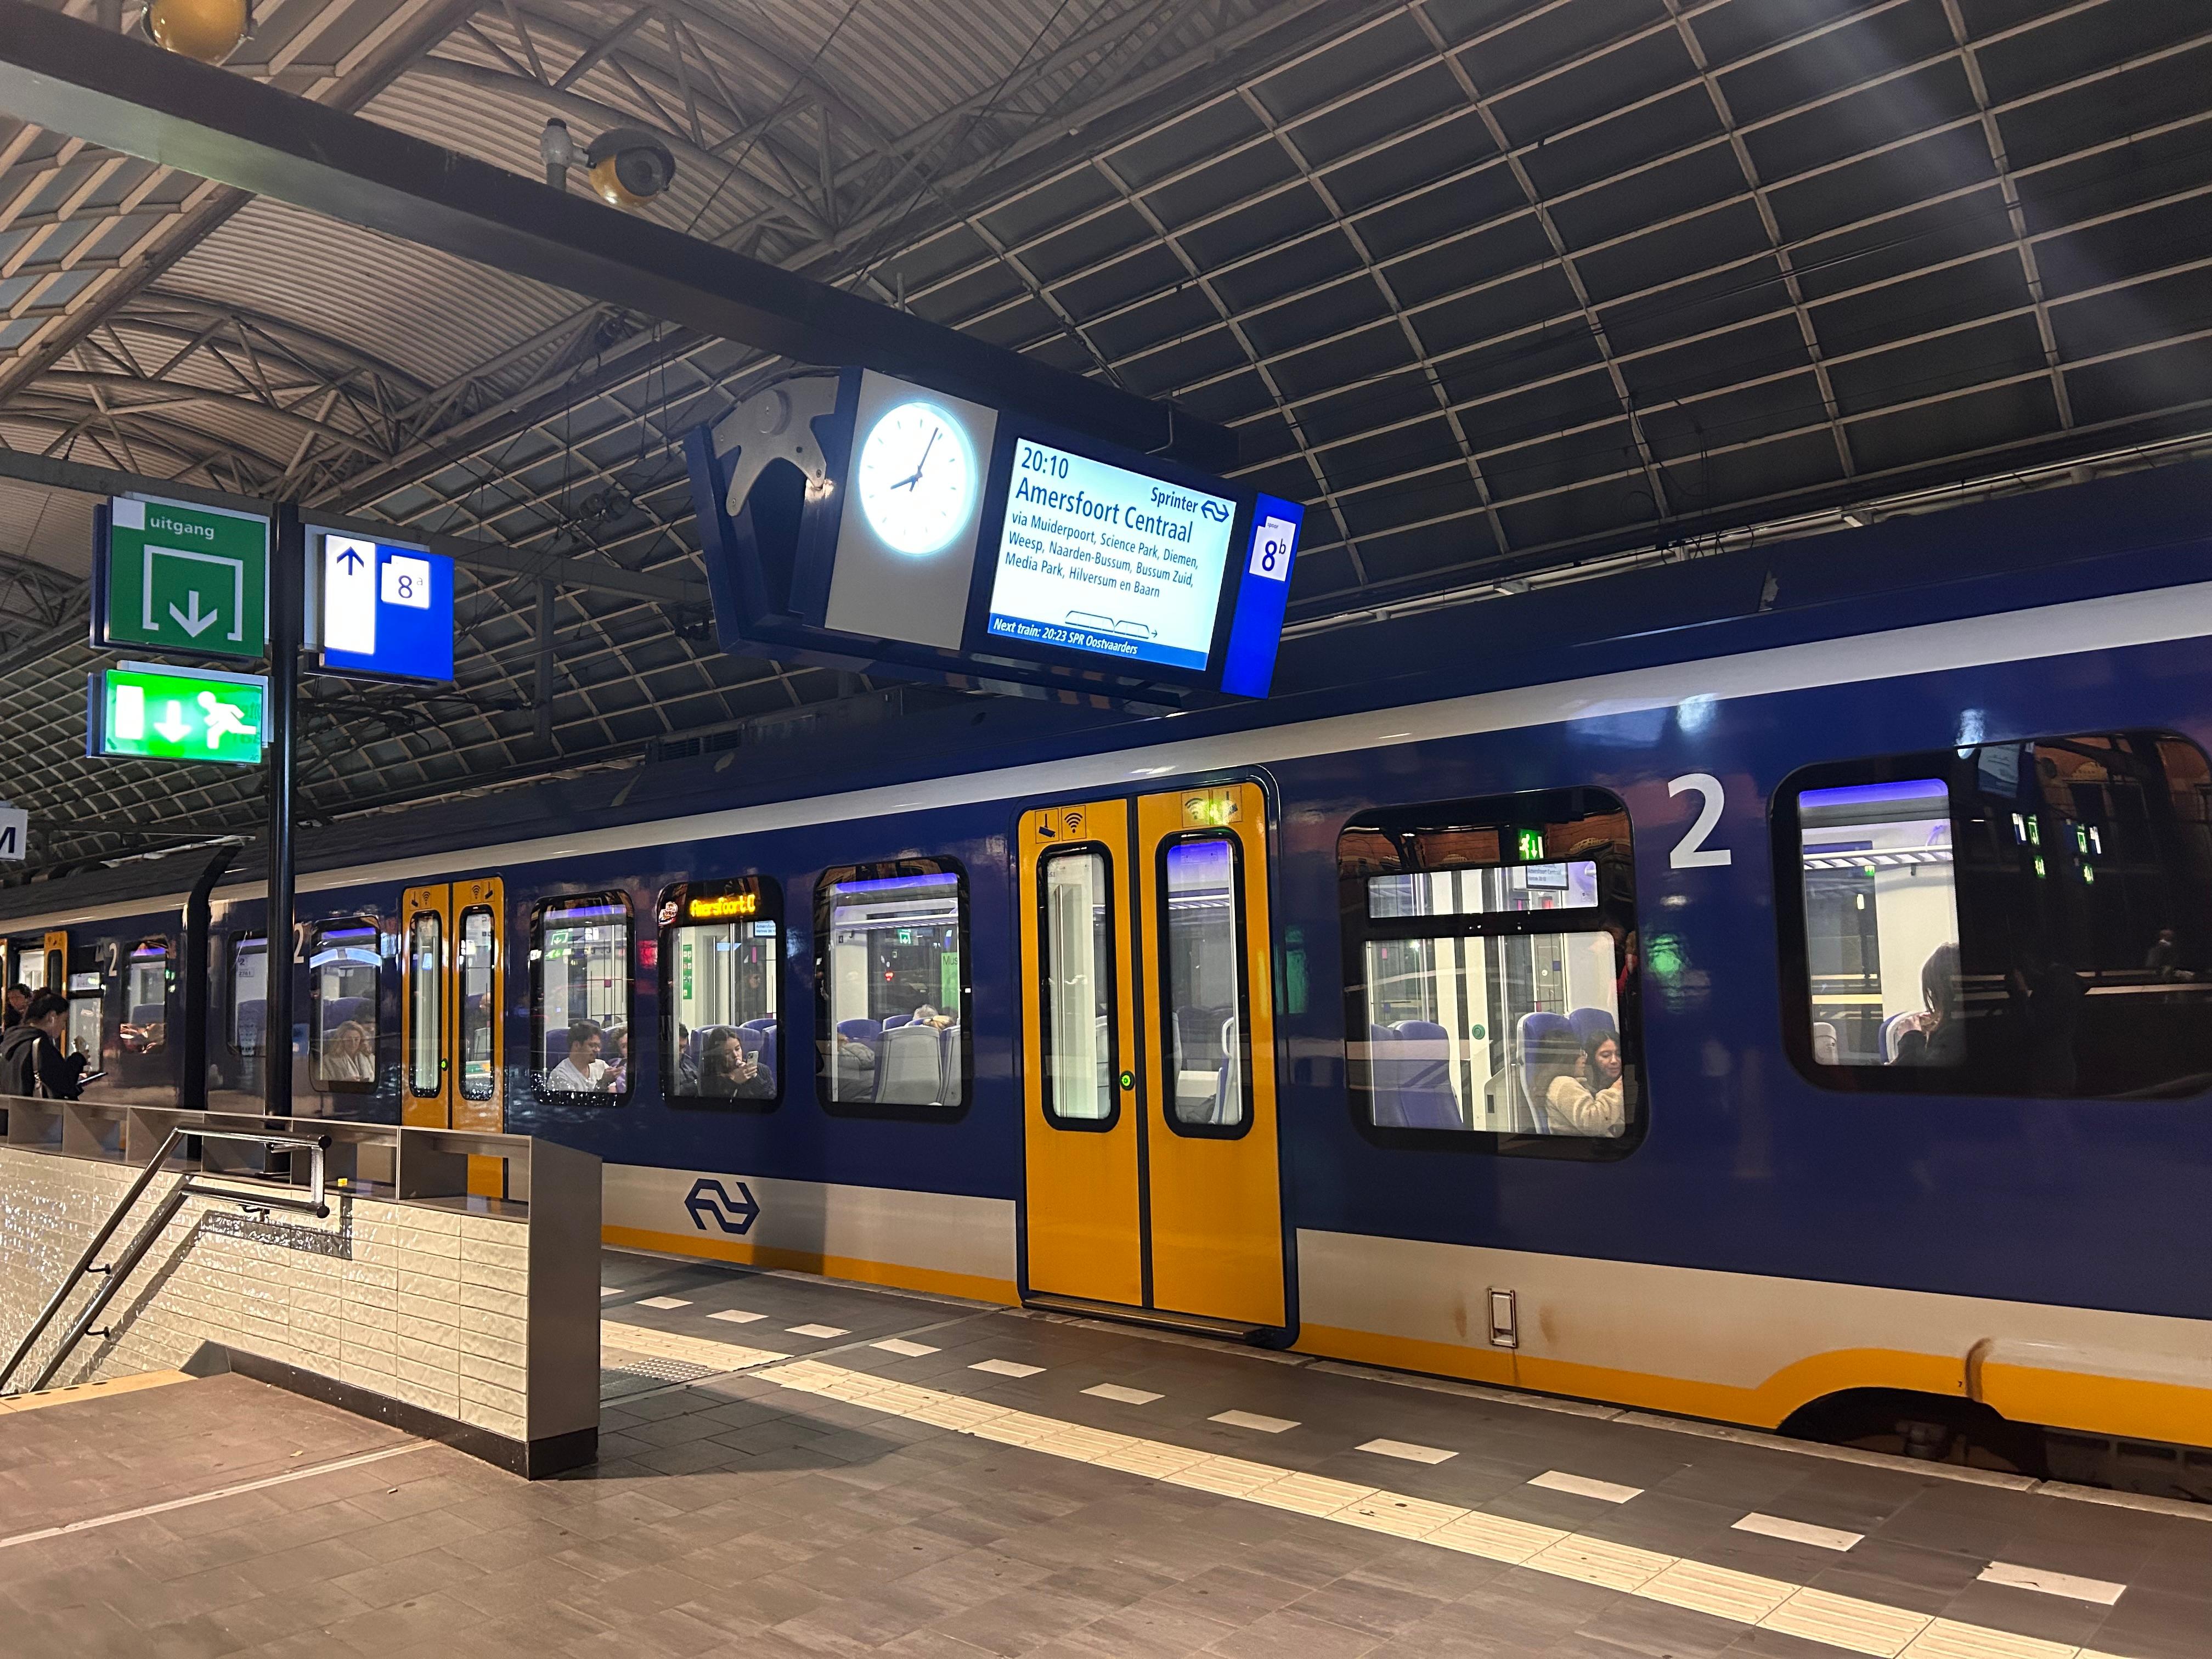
[(146, 1003), (343, 964), (719, 957), (249, 994), (1202, 956), (1489, 969), (479, 1008), (88, 1024), (31, 966), (426, 1003), (579, 991), (1076, 912), (2009, 919), (890, 945)]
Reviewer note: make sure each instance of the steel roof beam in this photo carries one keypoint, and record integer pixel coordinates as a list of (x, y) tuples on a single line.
[(71, 77)]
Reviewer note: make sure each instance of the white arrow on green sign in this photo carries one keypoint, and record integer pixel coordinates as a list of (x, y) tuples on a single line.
[(193, 579)]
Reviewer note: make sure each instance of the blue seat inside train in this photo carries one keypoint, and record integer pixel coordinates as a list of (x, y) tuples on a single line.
[(1411, 1075)]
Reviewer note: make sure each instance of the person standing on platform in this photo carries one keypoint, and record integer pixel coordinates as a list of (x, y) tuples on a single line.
[(32, 1062), (19, 999)]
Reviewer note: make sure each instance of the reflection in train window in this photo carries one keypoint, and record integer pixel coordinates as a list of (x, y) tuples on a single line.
[(719, 957), (2015, 918), (1881, 912), (1208, 1037), (1078, 1038), (341, 980), (479, 1005), (579, 996), (146, 1000), (249, 994), (425, 1003), (1489, 963), (31, 966), (87, 1023), (891, 953)]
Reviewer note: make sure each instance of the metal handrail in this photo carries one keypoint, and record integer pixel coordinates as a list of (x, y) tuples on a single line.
[(188, 1185)]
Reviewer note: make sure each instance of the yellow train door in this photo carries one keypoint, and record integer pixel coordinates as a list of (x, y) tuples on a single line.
[(453, 1042), (1151, 1150)]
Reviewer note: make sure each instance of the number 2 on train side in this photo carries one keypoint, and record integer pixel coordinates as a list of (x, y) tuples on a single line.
[(1691, 853)]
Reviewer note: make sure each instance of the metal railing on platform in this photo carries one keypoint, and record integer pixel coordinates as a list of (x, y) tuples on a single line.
[(191, 1183)]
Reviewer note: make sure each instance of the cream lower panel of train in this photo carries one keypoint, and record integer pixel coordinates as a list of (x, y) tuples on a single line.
[(1742, 1347), (937, 1242)]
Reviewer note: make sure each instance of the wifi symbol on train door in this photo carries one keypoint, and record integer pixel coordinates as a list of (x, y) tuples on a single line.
[(1074, 821)]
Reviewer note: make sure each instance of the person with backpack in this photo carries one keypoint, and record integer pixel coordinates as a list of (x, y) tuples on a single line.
[(32, 1061)]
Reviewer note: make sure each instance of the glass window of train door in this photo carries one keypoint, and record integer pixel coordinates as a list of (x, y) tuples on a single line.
[(345, 963), (87, 1022), (721, 946), (249, 994), (31, 965), (426, 1003), (891, 952), (146, 998), (579, 992), (1204, 1004), (479, 954), (1075, 924)]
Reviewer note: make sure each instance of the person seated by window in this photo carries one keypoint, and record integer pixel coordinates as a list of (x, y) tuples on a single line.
[(349, 1056), (2163, 962), (856, 1068), (615, 1078), (926, 1015), (1605, 1084), (580, 1068), (1571, 1105), (726, 1072), (1936, 1036)]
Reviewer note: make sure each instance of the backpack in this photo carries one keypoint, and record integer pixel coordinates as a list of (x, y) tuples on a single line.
[(19, 1061)]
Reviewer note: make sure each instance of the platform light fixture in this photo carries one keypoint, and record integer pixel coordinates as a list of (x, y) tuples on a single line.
[(209, 30)]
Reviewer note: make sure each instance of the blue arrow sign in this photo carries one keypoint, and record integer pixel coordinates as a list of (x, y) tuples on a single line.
[(710, 1201)]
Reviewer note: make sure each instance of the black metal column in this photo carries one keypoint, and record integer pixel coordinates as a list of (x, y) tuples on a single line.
[(288, 569)]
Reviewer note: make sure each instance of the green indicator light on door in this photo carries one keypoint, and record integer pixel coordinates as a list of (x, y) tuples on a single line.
[(149, 711), (1128, 1079)]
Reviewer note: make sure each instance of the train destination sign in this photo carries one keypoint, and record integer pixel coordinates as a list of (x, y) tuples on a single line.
[(152, 712), (1096, 558), (191, 580)]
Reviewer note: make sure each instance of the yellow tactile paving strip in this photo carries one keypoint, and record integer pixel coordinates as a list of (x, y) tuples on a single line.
[(32, 1402), (1837, 1621)]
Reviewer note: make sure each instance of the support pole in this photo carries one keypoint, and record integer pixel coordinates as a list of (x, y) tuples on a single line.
[(288, 567)]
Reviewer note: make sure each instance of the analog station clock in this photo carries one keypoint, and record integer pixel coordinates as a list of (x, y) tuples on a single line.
[(916, 477)]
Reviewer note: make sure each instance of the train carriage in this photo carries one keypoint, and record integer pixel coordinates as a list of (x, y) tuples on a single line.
[(1768, 1018)]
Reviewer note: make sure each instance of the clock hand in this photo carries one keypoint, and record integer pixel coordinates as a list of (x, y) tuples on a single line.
[(909, 483)]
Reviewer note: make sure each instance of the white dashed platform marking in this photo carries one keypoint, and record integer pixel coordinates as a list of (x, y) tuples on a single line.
[(737, 1316), (1406, 1451), (1121, 1395), (1254, 1421), (2102, 1591), (903, 1348), (611, 1290), (665, 1302), (1005, 1368), (1847, 1622), (1583, 1486), (1799, 1532), (818, 1330)]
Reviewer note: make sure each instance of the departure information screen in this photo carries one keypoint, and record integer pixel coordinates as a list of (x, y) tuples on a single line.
[(1099, 559)]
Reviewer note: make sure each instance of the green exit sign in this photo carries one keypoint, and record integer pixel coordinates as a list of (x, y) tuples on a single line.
[(191, 579), (155, 713)]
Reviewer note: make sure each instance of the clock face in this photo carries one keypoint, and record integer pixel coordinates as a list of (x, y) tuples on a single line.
[(916, 477)]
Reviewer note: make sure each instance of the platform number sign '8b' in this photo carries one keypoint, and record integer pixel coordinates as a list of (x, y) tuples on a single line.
[(1270, 548)]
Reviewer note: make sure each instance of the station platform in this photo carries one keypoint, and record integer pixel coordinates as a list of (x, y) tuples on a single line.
[(790, 1465)]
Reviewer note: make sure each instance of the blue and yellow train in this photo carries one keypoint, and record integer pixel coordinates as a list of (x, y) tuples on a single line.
[(1775, 988)]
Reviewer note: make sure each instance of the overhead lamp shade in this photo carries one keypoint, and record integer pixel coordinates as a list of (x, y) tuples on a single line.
[(206, 29), (629, 167)]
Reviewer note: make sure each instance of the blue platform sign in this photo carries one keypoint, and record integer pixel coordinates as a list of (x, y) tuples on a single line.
[(384, 611)]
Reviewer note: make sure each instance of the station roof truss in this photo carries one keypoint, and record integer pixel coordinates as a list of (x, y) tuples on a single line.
[(1499, 288)]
